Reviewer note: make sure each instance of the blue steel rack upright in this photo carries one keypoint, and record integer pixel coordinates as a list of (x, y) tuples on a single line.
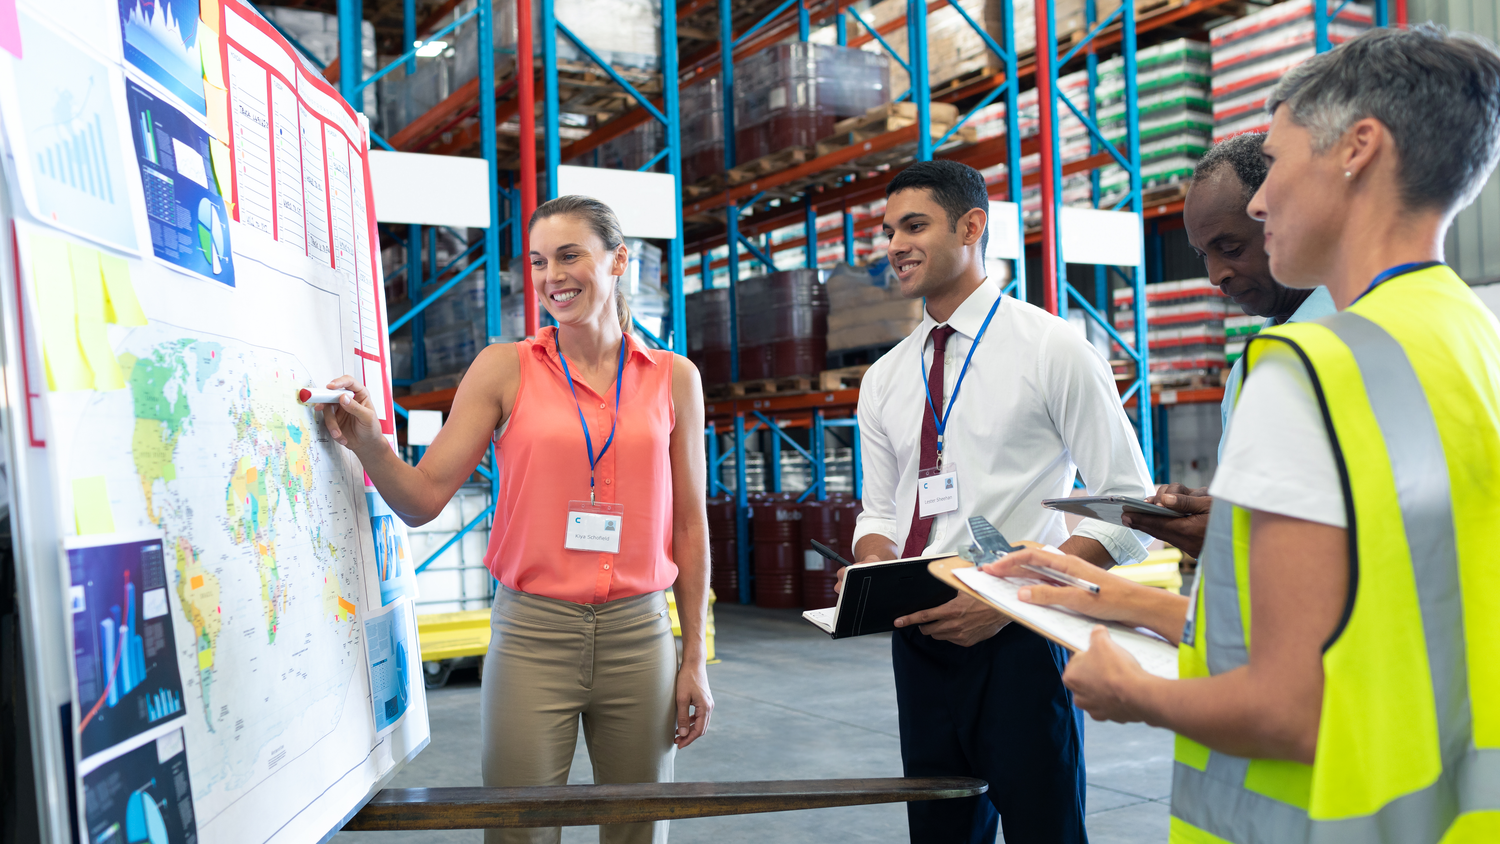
[(494, 246)]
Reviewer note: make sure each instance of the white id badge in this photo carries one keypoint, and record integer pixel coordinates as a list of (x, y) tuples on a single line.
[(594, 526), (937, 491)]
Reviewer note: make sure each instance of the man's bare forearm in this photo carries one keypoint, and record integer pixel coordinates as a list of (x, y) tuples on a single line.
[(876, 546), (1089, 549)]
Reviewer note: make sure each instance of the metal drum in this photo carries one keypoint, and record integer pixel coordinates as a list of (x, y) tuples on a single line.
[(778, 561), (724, 564), (819, 574)]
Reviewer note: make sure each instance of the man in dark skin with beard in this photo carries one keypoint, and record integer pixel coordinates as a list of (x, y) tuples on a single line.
[(1232, 246)]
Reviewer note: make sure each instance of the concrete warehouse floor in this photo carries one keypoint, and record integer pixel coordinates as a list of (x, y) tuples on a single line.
[(792, 704)]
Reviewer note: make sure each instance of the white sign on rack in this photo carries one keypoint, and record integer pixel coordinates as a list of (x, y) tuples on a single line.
[(646, 203), (430, 190), (1005, 231), (1093, 236)]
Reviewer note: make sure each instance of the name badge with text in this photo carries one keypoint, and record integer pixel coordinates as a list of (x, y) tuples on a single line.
[(937, 493), (594, 526)]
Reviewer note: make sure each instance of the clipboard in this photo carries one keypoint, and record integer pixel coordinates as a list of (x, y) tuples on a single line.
[(1069, 629)]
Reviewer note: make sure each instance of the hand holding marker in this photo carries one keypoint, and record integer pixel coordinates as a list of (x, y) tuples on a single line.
[(311, 397)]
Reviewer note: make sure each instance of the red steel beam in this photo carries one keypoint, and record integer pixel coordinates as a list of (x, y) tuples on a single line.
[(1044, 60)]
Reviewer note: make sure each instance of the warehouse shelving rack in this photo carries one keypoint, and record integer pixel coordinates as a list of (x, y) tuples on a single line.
[(1008, 148), (749, 211), (485, 254)]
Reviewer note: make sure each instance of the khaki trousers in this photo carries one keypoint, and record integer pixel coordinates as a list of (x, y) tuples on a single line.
[(552, 663)]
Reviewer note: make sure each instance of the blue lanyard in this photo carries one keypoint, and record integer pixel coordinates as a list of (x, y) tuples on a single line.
[(1399, 269), (587, 440), (942, 421)]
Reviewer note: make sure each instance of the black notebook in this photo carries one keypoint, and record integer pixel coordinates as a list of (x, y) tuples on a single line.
[(876, 594)]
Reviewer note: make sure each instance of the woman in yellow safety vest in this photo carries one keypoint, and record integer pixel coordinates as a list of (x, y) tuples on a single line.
[(1353, 538)]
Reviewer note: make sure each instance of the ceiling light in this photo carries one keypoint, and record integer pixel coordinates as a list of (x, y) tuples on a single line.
[(429, 49)]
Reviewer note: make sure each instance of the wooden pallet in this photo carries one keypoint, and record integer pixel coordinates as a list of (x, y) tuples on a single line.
[(584, 88), (846, 378), (768, 164), (706, 186), (759, 387), (1164, 194), (857, 130)]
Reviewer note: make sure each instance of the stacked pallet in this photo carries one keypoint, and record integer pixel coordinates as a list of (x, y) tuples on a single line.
[(1252, 53), (1172, 87), (1185, 330), (866, 314), (790, 96)]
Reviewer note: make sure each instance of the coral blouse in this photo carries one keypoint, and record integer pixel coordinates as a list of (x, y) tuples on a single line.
[(544, 464)]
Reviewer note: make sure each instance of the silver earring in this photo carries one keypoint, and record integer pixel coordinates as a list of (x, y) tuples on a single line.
[(1348, 175)]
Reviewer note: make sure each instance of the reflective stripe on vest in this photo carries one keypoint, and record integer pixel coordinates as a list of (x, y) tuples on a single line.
[(1215, 800)]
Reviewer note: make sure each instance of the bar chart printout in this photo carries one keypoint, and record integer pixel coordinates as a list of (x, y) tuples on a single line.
[(68, 139), (124, 650)]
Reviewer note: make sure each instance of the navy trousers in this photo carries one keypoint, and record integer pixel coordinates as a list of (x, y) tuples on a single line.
[(997, 711)]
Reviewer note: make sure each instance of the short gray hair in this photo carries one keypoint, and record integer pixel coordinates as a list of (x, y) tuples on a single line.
[(1438, 93), (1240, 153)]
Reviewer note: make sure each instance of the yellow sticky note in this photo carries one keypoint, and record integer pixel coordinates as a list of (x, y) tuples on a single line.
[(218, 112), (208, 12), (52, 279), (219, 152), (121, 306), (88, 305), (91, 511), (208, 52)]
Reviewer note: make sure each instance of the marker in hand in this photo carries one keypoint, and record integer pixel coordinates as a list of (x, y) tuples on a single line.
[(312, 397)]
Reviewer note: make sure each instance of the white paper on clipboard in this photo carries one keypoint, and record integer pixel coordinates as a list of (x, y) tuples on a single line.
[(1071, 629)]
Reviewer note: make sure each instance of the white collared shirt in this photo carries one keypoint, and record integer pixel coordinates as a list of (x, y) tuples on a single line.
[(1038, 403)]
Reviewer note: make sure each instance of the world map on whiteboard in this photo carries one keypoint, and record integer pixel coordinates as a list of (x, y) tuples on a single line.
[(259, 520)]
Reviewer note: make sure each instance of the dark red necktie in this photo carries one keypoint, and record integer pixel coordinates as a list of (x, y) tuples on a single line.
[(916, 538)]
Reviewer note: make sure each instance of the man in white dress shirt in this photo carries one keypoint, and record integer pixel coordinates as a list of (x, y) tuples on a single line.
[(1010, 425)]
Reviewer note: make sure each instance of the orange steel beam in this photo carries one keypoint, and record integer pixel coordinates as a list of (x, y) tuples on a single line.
[(984, 154), (437, 115)]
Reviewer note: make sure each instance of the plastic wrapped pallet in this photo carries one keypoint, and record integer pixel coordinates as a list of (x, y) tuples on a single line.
[(1185, 330), (625, 33), (863, 313), (707, 313), (783, 319), (641, 285), (792, 94), (702, 110), (953, 47), (629, 151), (1252, 53), (955, 50)]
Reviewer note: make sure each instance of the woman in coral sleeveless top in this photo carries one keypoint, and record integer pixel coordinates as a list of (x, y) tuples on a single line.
[(599, 446)]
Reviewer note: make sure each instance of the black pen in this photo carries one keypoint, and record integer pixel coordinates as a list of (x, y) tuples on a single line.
[(829, 553)]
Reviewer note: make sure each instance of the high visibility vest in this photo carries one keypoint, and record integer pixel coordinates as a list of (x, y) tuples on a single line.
[(1408, 748)]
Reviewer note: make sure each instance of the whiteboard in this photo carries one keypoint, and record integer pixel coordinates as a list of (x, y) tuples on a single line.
[(202, 567)]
